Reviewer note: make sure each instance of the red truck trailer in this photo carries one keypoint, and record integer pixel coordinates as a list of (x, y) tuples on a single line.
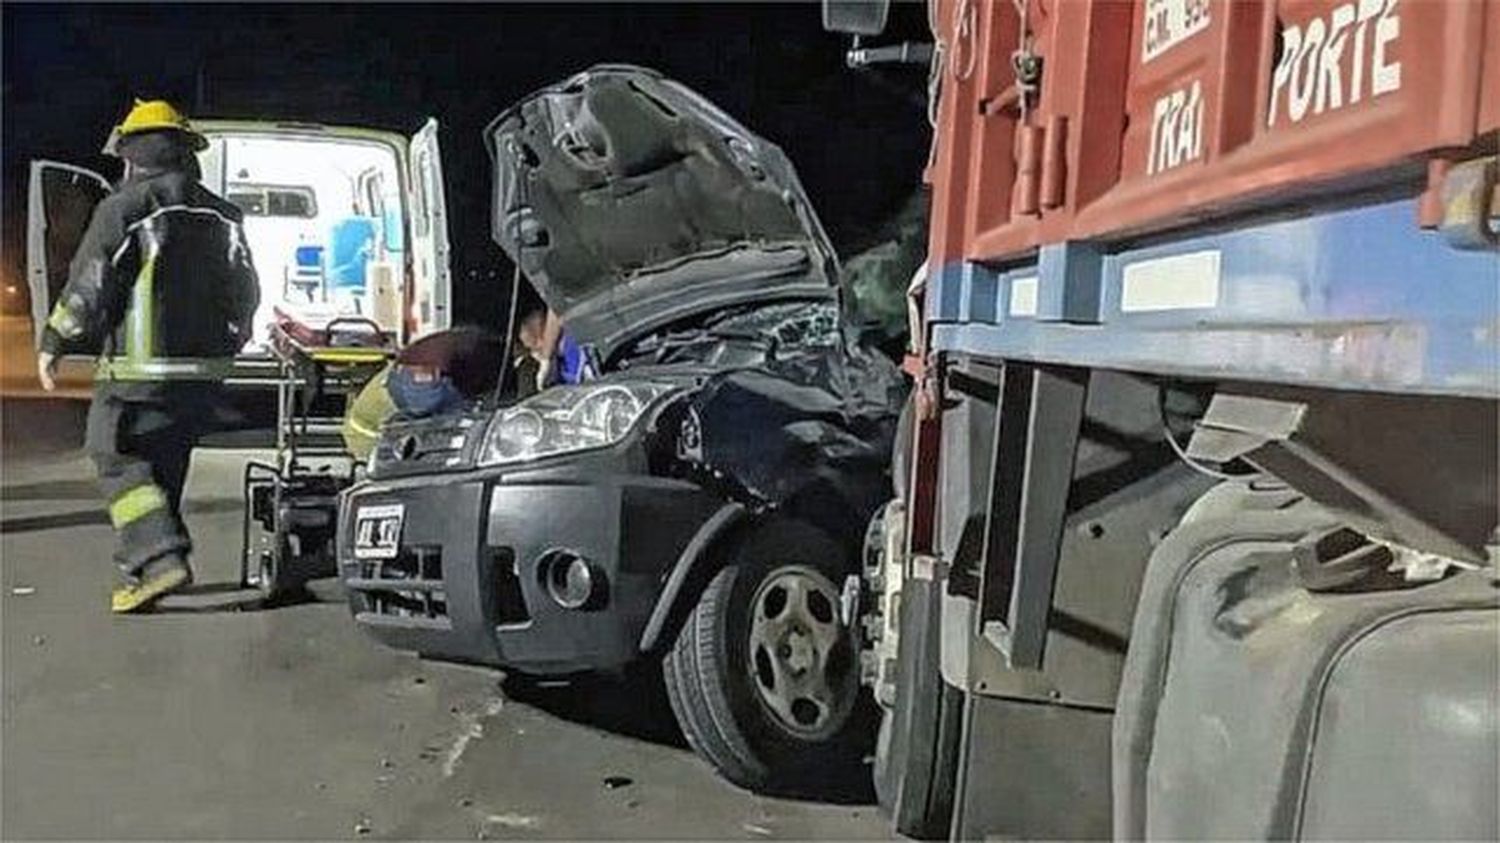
[(1197, 533)]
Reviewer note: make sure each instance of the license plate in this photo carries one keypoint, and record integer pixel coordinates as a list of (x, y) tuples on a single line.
[(377, 531)]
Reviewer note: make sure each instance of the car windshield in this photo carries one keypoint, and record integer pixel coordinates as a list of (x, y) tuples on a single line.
[(740, 336)]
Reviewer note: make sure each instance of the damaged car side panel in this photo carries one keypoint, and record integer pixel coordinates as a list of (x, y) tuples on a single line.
[(809, 432)]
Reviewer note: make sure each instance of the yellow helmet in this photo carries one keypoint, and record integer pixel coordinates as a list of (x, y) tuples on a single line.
[(153, 116)]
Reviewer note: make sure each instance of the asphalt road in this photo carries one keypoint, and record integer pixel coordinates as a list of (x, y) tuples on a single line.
[(215, 722)]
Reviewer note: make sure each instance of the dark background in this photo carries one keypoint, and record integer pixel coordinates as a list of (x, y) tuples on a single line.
[(859, 139)]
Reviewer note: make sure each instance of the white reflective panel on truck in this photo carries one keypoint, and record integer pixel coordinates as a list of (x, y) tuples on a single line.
[(1023, 296), (1179, 282)]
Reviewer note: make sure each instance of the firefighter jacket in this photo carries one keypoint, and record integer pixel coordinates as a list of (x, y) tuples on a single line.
[(162, 286)]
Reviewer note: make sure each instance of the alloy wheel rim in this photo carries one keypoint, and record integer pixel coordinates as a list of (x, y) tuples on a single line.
[(801, 661)]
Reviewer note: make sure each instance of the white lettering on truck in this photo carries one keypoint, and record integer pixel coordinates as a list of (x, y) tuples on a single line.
[(1310, 75), (1176, 129), (1168, 23)]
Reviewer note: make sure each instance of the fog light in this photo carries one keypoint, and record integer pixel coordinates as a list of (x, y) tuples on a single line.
[(570, 580)]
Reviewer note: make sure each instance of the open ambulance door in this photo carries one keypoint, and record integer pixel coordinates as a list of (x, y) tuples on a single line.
[(430, 289), (60, 203)]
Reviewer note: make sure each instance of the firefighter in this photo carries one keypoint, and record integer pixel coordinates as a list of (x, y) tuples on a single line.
[(163, 289), (437, 374)]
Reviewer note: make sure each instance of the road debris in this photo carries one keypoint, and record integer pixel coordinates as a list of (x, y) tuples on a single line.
[(517, 821), (472, 726)]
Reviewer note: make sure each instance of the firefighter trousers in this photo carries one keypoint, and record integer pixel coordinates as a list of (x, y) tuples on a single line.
[(141, 440)]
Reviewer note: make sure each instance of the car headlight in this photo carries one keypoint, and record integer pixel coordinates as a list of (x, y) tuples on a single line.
[(568, 418)]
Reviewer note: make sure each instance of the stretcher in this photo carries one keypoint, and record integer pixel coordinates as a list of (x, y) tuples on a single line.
[(291, 503)]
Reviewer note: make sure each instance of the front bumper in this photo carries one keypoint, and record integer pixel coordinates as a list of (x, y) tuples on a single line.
[(468, 584)]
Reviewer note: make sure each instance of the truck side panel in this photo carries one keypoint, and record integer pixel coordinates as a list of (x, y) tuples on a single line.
[(1158, 113)]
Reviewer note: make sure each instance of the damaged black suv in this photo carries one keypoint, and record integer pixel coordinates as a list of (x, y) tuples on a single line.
[(702, 502)]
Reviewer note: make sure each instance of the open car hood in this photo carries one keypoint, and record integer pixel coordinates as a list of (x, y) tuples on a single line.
[(630, 201)]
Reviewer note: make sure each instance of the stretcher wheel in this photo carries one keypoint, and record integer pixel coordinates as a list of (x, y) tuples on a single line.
[(271, 574)]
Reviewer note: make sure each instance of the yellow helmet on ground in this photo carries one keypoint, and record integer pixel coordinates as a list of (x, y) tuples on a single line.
[(153, 116)]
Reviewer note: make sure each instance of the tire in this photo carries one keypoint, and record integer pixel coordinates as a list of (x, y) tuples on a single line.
[(787, 721), (916, 758), (282, 575), (902, 446), (271, 569)]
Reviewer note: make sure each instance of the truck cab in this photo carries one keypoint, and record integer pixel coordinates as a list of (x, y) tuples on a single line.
[(341, 221)]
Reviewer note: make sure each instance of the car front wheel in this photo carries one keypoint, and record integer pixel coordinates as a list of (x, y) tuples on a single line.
[(764, 675)]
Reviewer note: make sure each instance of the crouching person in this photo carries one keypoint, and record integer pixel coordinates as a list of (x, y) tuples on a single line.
[(437, 374), (164, 288)]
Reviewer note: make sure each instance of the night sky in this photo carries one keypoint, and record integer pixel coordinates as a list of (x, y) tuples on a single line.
[(859, 139)]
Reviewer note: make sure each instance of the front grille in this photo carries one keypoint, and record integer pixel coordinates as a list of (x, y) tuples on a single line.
[(447, 443), (409, 587)]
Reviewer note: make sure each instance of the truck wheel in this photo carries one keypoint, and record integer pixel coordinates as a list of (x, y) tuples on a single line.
[(916, 760), (901, 448), (764, 675)]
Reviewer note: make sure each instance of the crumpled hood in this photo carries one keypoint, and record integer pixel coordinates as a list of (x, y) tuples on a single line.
[(630, 201)]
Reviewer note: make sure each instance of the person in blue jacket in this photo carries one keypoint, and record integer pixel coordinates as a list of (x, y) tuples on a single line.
[(548, 355)]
